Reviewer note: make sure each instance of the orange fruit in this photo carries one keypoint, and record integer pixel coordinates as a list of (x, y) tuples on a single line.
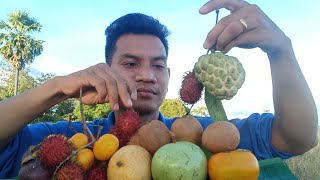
[(235, 165), (85, 158), (105, 147), (79, 140)]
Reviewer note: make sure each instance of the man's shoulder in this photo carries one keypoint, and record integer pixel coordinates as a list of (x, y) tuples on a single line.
[(205, 121)]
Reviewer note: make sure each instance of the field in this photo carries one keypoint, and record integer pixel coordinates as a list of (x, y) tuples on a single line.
[(306, 166)]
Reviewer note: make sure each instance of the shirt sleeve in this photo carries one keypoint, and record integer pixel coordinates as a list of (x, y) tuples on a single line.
[(255, 135), (10, 156)]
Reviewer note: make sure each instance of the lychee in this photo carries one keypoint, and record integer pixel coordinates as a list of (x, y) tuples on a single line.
[(191, 89), (70, 171), (54, 149), (126, 126)]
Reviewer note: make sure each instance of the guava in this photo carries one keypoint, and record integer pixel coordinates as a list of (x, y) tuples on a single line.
[(180, 160)]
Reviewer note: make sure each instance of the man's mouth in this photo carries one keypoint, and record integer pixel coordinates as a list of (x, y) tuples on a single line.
[(146, 92)]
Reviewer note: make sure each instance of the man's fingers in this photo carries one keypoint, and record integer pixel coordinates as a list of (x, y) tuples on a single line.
[(122, 86), (233, 30), (124, 93), (245, 40), (230, 27), (96, 87), (212, 5)]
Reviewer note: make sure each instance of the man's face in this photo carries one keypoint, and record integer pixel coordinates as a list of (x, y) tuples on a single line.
[(141, 60)]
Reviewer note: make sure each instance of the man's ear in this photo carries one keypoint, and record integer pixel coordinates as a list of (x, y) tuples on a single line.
[(169, 78)]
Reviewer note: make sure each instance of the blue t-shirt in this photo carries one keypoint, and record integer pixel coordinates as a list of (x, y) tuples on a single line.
[(255, 135)]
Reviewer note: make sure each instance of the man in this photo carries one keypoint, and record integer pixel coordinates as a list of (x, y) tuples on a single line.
[(136, 75)]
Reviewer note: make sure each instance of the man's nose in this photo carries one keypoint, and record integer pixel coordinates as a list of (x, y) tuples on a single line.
[(146, 74)]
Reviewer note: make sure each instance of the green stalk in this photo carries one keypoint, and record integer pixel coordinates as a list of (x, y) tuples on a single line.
[(215, 107)]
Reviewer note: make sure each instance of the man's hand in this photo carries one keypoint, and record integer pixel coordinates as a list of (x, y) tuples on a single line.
[(256, 30), (100, 84)]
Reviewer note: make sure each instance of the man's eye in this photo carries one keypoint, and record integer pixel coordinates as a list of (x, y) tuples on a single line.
[(130, 64), (159, 66)]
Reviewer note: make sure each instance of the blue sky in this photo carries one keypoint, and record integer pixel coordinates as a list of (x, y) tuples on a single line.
[(73, 32)]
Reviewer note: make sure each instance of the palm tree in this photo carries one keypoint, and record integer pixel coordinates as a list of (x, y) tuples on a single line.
[(17, 46)]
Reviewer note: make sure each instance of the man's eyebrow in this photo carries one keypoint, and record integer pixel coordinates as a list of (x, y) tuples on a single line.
[(131, 56), (127, 55), (160, 58)]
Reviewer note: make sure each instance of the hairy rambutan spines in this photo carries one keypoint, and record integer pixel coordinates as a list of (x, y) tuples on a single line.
[(54, 149), (70, 171), (126, 126), (96, 173), (191, 89)]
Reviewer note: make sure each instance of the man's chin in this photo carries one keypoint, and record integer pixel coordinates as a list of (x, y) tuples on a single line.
[(144, 109)]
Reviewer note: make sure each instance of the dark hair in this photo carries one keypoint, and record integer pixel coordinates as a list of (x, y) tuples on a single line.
[(134, 23)]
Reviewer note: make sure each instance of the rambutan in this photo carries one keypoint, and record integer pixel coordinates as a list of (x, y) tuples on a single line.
[(126, 126), (96, 173), (70, 171), (191, 89), (54, 149)]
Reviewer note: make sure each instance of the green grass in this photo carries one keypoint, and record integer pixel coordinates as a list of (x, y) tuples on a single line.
[(306, 166)]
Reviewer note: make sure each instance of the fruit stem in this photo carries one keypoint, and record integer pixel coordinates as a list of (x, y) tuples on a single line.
[(99, 131), (189, 109), (86, 130), (215, 107), (70, 124)]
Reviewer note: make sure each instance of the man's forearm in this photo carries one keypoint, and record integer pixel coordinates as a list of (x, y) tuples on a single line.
[(295, 127), (17, 111)]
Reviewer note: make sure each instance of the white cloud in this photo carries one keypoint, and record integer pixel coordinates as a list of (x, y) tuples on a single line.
[(52, 65)]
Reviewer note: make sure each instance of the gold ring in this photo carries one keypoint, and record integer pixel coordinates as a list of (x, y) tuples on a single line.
[(244, 25)]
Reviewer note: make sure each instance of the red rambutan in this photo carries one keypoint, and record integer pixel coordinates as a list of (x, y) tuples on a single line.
[(96, 173), (54, 149), (70, 171), (126, 126), (191, 89)]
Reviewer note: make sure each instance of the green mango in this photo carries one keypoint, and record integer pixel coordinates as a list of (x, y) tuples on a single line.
[(180, 160)]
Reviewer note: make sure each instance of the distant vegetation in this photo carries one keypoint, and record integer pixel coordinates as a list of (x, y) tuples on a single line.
[(70, 109), (17, 46)]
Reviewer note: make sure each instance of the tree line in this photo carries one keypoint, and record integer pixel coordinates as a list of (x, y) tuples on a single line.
[(18, 49), (70, 108)]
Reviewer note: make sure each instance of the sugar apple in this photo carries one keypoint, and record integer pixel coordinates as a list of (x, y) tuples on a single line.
[(220, 74)]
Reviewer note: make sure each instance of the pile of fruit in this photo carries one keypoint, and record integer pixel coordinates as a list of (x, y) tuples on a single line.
[(136, 150), (153, 152)]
